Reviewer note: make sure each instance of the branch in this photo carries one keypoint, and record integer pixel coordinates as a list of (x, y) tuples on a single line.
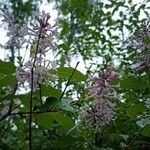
[(14, 88), (39, 112), (68, 82), (136, 136), (31, 98), (9, 113), (28, 113)]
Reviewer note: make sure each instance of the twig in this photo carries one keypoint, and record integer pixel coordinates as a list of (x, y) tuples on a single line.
[(31, 98), (69, 80), (13, 91), (40, 91), (11, 103), (9, 113), (136, 136), (39, 112), (27, 113)]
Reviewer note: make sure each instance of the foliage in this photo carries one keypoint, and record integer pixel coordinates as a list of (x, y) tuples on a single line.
[(49, 115)]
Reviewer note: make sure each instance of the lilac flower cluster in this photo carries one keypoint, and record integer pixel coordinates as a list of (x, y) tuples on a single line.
[(45, 31), (142, 62), (16, 33), (140, 37), (24, 74), (101, 112), (140, 42), (42, 36)]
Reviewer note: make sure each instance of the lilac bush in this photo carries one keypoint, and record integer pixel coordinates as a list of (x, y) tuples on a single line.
[(47, 117)]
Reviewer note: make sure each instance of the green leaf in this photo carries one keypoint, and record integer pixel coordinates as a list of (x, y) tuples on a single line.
[(134, 83), (25, 98), (7, 80), (65, 105), (115, 137), (46, 120), (65, 72), (65, 122), (49, 91), (136, 109), (50, 102), (146, 130), (8, 97), (62, 143), (54, 102), (7, 67)]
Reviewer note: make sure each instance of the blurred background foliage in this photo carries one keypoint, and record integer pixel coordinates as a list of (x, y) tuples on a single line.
[(23, 11), (101, 33)]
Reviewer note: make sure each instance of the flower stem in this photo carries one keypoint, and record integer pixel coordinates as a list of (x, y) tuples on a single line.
[(31, 98)]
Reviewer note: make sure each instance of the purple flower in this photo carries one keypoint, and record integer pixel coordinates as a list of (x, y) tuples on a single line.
[(23, 74), (142, 62), (103, 83), (42, 36), (101, 111), (15, 32), (46, 31), (140, 42)]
